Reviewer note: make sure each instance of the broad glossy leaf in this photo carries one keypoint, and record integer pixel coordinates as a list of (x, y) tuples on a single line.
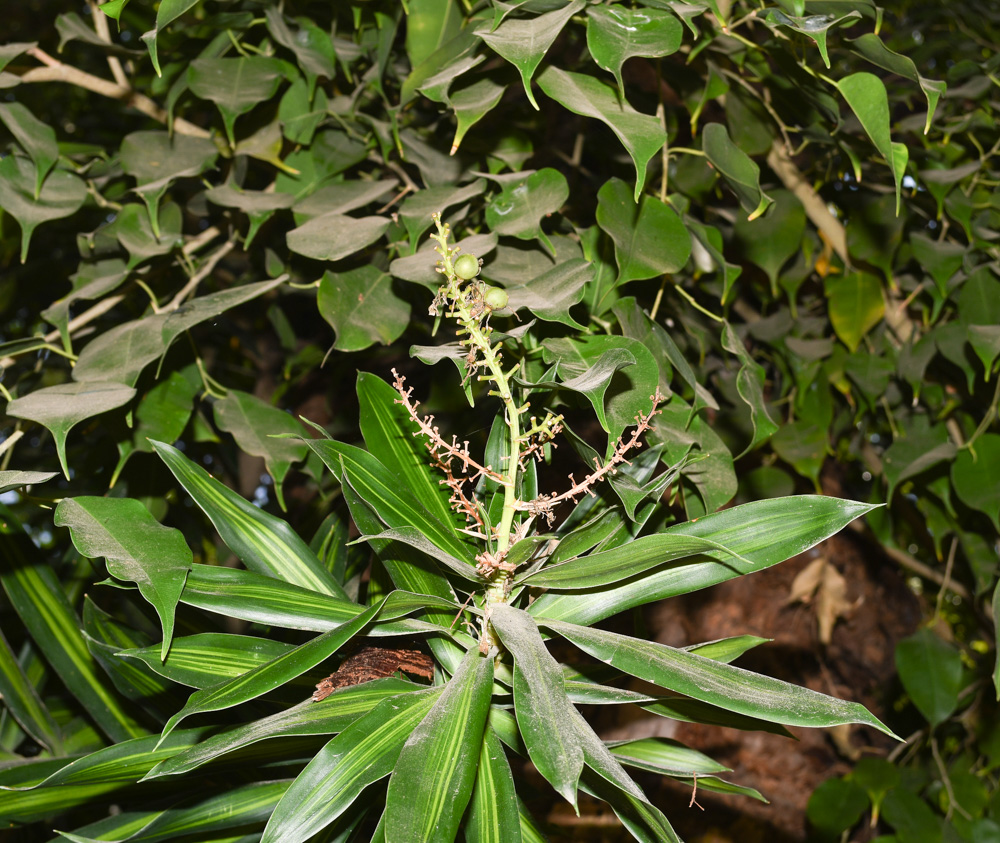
[(770, 240), (724, 685), (931, 672), (519, 208), (363, 753), (17, 479), (9, 52), (362, 307), (253, 424), (633, 387), (416, 210), (525, 41), (641, 134), (274, 673), (764, 532), (544, 712), (612, 566), (38, 139), (312, 46), (974, 475), (866, 95), (61, 407), (750, 385), (235, 85), (258, 205), (649, 237), (136, 233), (594, 382), (61, 194), (737, 168), (168, 12), (196, 311), (550, 296), (341, 197), (429, 25), (433, 778), (334, 714), (871, 47), (264, 543), (120, 354), (919, 447), (331, 237), (471, 104), (22, 700), (816, 27), (136, 547), (856, 305), (36, 595), (493, 815), (208, 658), (157, 159), (162, 414), (615, 34)]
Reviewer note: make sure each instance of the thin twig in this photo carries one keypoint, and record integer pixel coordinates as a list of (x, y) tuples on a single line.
[(57, 71), (101, 28), (946, 585), (201, 274)]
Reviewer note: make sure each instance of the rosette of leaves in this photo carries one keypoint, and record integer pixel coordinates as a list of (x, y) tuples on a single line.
[(407, 761)]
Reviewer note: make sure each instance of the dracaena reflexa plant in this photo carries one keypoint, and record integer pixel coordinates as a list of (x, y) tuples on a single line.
[(472, 561)]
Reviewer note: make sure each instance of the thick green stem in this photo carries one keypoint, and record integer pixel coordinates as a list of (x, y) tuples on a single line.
[(467, 308)]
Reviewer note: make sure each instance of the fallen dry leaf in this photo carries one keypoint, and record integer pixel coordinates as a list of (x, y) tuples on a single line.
[(821, 585)]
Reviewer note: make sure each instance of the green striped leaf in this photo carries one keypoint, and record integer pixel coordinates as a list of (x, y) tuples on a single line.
[(208, 658), (408, 571), (389, 435), (386, 493), (37, 596), (433, 778), (137, 549), (363, 753), (248, 805), (105, 636), (645, 822), (23, 702), (611, 566), (327, 717), (274, 673), (660, 755), (493, 815), (414, 538), (723, 685), (262, 599), (264, 543), (764, 532), (123, 763), (543, 710)]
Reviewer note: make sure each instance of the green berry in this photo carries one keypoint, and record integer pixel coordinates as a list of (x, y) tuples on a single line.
[(466, 267), (495, 298)]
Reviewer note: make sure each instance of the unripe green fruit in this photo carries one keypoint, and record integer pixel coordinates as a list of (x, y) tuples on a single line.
[(466, 267), (495, 298)]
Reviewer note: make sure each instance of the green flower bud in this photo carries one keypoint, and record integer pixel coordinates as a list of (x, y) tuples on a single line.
[(466, 267)]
